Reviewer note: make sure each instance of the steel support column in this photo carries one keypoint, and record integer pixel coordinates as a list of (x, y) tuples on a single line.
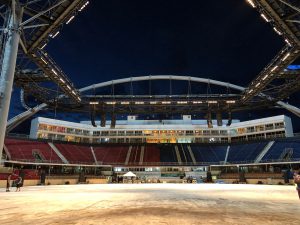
[(8, 67)]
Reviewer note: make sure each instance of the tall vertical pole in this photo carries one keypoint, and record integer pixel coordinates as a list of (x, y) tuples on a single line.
[(8, 66)]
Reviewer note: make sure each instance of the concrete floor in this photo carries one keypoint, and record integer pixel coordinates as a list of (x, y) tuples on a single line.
[(151, 204)]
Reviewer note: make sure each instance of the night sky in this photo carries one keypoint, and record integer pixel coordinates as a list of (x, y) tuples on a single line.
[(223, 40)]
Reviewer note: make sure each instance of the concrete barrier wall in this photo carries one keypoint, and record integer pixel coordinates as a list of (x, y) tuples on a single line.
[(255, 181), (57, 181)]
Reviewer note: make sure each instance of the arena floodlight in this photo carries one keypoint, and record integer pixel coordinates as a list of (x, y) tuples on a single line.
[(62, 80), (44, 61), (44, 45), (265, 77), (251, 3), (274, 68), (288, 42), (285, 57), (70, 19), (94, 103), (55, 34), (53, 71), (277, 31), (265, 17)]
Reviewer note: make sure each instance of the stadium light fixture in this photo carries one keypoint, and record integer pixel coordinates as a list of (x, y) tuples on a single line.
[(288, 42), (44, 61), (257, 84), (265, 77), (44, 46), (54, 71), (110, 103), (274, 68), (68, 87), (230, 102), (125, 103), (197, 102), (265, 17), (73, 92), (285, 57), (139, 103), (69, 20), (277, 31), (212, 102), (82, 7), (94, 103), (62, 80), (55, 34), (153, 103), (251, 3), (182, 102), (166, 102), (251, 91)]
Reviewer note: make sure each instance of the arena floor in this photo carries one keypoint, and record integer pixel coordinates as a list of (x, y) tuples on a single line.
[(151, 204)]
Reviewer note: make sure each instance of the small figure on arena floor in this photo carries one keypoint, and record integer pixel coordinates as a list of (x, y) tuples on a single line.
[(297, 182), (8, 182), (18, 183)]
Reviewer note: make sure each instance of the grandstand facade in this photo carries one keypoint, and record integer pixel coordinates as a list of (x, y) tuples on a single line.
[(186, 130)]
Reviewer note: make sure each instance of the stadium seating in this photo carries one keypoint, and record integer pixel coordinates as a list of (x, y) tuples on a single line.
[(76, 153), (245, 152), (279, 147), (111, 154), (151, 154), (167, 154), (163, 154), (24, 150), (209, 154)]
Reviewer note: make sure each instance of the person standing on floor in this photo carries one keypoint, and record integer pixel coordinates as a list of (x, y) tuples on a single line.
[(8, 182), (297, 182), (18, 182)]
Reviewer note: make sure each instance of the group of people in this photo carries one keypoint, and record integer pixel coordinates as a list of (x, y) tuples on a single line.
[(18, 182)]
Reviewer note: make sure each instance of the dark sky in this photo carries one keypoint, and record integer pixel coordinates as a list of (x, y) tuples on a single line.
[(223, 40)]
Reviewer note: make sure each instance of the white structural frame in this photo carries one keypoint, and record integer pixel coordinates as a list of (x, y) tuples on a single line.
[(15, 121)]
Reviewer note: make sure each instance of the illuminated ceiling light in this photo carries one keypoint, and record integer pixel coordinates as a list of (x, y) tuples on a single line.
[(44, 46), (251, 91), (251, 3), (257, 84), (153, 103), (274, 68), (139, 103), (68, 87), (125, 103), (69, 20), (94, 103), (230, 102), (79, 98), (73, 92), (212, 102), (55, 34), (82, 7), (54, 72), (264, 17), (265, 77), (182, 102), (285, 57), (110, 103), (197, 102), (277, 31), (44, 61), (62, 80), (165, 103), (288, 42)]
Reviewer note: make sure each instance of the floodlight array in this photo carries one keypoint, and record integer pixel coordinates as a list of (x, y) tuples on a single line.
[(52, 70), (284, 58)]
